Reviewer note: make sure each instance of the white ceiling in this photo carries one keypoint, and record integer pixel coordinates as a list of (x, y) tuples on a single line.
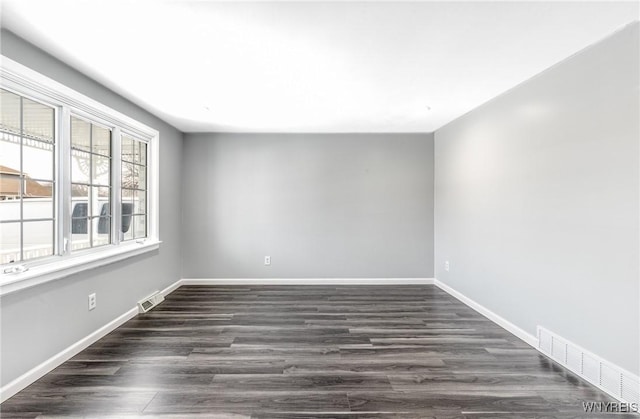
[(312, 66)]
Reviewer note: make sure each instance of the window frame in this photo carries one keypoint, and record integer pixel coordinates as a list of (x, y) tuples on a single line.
[(122, 236), (55, 191), (89, 216), (26, 82)]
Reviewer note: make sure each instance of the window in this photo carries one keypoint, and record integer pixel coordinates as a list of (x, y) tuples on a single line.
[(27, 178), (78, 181), (134, 188), (90, 184)]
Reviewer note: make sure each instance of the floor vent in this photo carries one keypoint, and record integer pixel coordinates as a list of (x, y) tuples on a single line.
[(150, 302), (610, 378)]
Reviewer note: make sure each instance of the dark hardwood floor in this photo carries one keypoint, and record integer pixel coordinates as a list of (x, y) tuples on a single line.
[(307, 351)]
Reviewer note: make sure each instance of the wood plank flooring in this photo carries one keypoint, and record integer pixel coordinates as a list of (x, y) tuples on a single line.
[(307, 351)]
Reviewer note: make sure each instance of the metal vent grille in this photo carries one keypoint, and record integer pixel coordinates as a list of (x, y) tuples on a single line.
[(544, 342), (150, 302), (630, 389), (574, 358), (591, 369), (559, 349), (610, 378)]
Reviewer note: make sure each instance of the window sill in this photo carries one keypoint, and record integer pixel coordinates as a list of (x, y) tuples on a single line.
[(36, 275)]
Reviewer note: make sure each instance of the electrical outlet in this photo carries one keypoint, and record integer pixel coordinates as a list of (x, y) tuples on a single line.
[(267, 260), (92, 301), (446, 265)]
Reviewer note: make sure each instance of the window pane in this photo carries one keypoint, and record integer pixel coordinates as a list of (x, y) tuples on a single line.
[(37, 159), (80, 166), (38, 200), (79, 213), (80, 231), (101, 170), (9, 242), (80, 191), (9, 208), (37, 189), (140, 226), (101, 229), (101, 140), (79, 226), (80, 210), (137, 153), (10, 184), (10, 153), (37, 120), (38, 208), (38, 239), (127, 210), (127, 175), (9, 111), (127, 222), (106, 209), (140, 177), (134, 151), (140, 202), (104, 225), (128, 195), (80, 134), (100, 199), (143, 153), (128, 234), (127, 145)]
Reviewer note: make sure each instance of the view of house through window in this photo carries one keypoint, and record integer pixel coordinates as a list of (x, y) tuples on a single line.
[(27, 179)]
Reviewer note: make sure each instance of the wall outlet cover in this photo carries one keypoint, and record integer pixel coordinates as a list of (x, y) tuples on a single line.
[(93, 302)]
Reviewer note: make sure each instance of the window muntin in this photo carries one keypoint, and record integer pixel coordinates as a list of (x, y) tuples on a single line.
[(90, 184), (134, 188), (27, 179)]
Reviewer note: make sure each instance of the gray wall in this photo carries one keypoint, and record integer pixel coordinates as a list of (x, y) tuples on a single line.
[(39, 322), (537, 201), (322, 206)]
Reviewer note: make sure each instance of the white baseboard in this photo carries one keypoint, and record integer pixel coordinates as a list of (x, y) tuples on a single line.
[(10, 389), (171, 288), (607, 376), (500, 321), (306, 281)]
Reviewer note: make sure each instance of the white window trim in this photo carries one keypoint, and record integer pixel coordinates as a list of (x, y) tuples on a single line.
[(15, 76)]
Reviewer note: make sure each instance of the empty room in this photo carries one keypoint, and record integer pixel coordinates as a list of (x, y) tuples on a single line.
[(319, 209)]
